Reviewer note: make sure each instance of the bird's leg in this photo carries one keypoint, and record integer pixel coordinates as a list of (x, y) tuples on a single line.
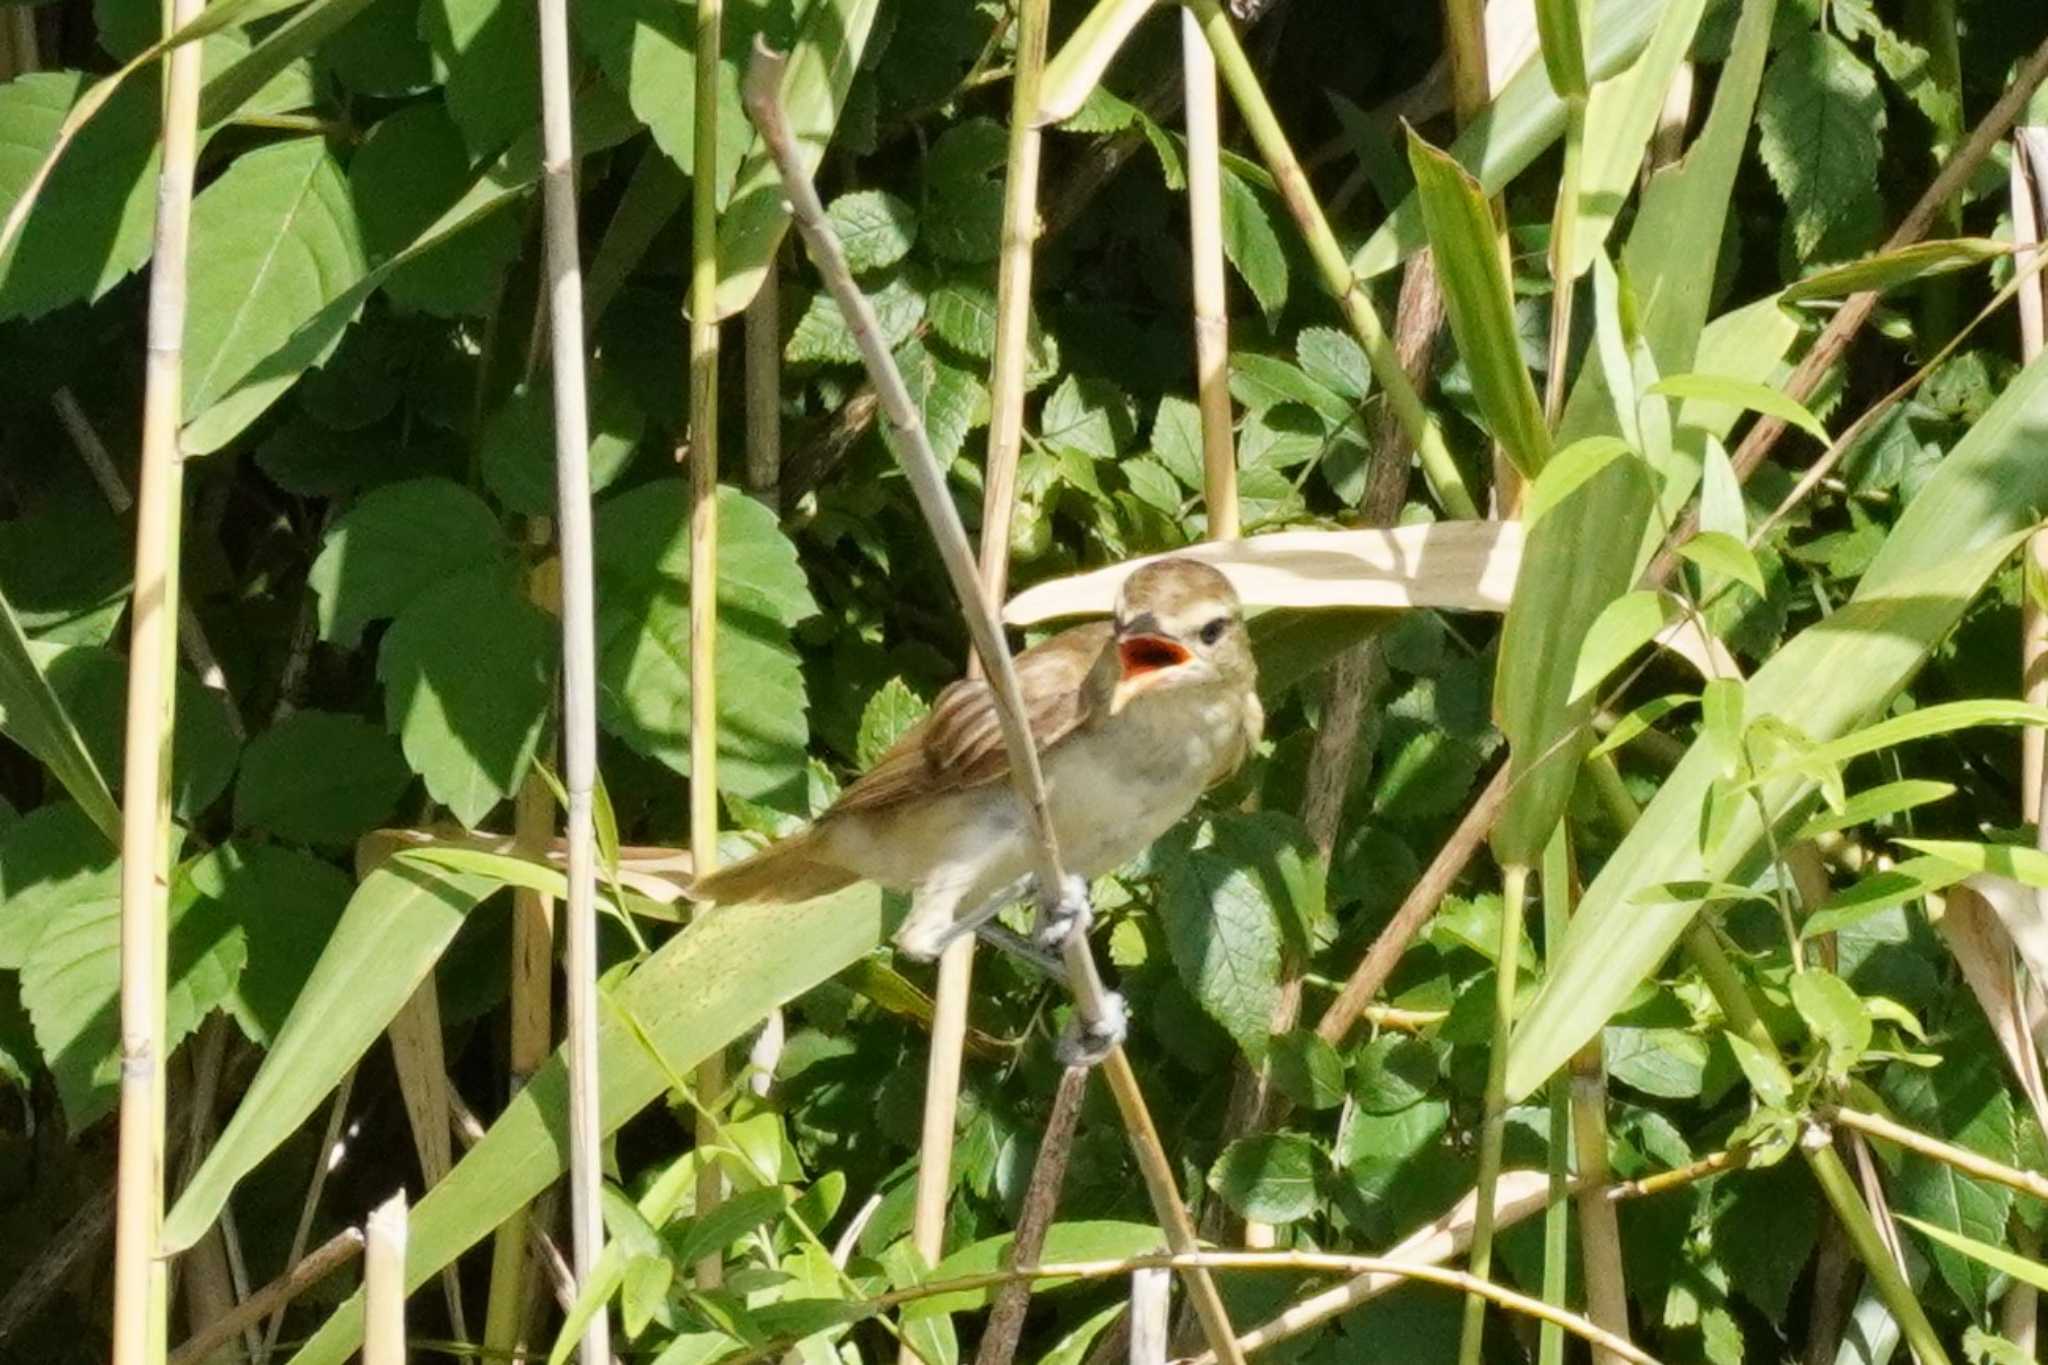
[(930, 945), (1023, 949), (1062, 916)]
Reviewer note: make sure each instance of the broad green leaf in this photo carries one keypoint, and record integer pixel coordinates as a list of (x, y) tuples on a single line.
[(1306, 1069), (822, 334), (703, 989), (1334, 360), (1263, 381), (1252, 243), (90, 225), (1394, 1073), (1558, 24), (1960, 526), (1071, 73), (51, 859), (875, 229), (949, 400), (517, 450), (964, 316), (821, 64), (1224, 936), (1963, 1101), (92, 684), (285, 903), (1723, 721), (1519, 126), (71, 983), (412, 164), (1766, 1074), (1463, 236), (1755, 397), (1821, 120), (1569, 468), (282, 45), (600, 121), (1833, 1012), (1721, 553), (319, 777), (1880, 891), (1177, 440), (963, 208), (1890, 269), (1875, 804), (393, 931), (893, 709), (1621, 115), (1270, 1178), (488, 48), (643, 638), (1669, 1063), (274, 240), (393, 546), (33, 717), (468, 672), (1076, 1240), (1623, 627), (1088, 415), (1763, 1232)]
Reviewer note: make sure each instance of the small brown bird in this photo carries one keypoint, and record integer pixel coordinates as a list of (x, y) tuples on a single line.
[(1134, 719)]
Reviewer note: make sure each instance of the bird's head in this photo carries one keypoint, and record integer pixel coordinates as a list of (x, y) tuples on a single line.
[(1178, 624)]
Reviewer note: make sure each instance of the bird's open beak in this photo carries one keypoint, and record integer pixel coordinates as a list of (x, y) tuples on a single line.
[(1145, 661)]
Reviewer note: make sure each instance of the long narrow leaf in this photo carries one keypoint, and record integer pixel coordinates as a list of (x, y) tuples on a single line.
[(1890, 269), (32, 715), (1621, 117), (1077, 67)]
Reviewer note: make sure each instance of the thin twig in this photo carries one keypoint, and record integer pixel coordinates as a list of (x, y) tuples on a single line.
[(579, 646), (1006, 1319), (336, 1252), (927, 481)]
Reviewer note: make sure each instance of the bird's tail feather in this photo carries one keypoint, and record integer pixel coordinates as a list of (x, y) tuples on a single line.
[(790, 870)]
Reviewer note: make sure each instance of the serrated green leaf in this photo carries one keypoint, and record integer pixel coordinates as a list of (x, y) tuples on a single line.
[(948, 399), (822, 335), (963, 216), (875, 229), (516, 453), (893, 709), (1177, 440), (1822, 121), (1393, 1073), (274, 241), (1334, 360), (1306, 1069), (1253, 244), (1270, 1178), (1087, 415), (643, 635), (1263, 381), (319, 777), (1225, 941), (964, 316), (92, 684), (1962, 1101), (468, 671), (395, 544)]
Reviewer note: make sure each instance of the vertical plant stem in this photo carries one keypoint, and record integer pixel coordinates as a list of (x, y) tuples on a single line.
[(1465, 41), (764, 388), (1493, 1130), (710, 1078), (1557, 889), (1331, 265), (1006, 1319), (140, 1279), (941, 1108), (1934, 25), (384, 1283), (2027, 199), (579, 646), (1205, 246), (927, 481)]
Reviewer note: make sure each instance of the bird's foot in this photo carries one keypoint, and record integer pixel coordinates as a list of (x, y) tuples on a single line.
[(1022, 948), (1069, 915), (1087, 1042)]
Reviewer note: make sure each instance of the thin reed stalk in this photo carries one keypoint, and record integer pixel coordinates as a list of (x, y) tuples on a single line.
[(1493, 1129), (2029, 180), (141, 1281), (1007, 370), (927, 481), (579, 646), (710, 1077), (1005, 1324), (1331, 264), (1205, 248), (384, 1283)]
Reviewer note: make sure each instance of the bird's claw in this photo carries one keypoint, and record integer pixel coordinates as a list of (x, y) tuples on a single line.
[(1065, 917), (1086, 1042)]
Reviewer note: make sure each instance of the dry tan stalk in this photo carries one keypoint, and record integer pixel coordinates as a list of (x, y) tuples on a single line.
[(302, 1275), (1041, 1197), (1205, 247), (927, 481), (140, 1278), (579, 667), (2029, 1183), (384, 1283), (422, 1070), (703, 455)]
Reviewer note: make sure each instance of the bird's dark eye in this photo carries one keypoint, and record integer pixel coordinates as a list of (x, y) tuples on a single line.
[(1213, 632)]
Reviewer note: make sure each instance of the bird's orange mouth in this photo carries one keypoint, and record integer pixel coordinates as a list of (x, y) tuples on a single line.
[(1143, 654)]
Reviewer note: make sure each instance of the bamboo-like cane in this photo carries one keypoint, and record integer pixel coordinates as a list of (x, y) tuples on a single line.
[(1151, 1299), (384, 1283), (579, 645), (1350, 293), (2029, 200), (1005, 442), (927, 481), (710, 1078), (1205, 246), (140, 1279)]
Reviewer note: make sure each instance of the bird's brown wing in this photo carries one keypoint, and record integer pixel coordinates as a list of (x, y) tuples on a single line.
[(960, 744)]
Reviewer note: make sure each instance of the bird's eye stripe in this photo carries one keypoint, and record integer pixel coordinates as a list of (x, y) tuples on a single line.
[(1213, 632)]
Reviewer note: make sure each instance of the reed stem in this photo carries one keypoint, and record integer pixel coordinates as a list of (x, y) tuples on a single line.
[(1205, 246), (1493, 1130)]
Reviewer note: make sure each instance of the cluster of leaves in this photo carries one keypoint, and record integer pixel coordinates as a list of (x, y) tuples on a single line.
[(368, 554)]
